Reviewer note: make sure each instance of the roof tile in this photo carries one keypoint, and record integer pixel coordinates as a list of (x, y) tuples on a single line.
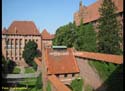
[(46, 35), (61, 63), (23, 28), (117, 59)]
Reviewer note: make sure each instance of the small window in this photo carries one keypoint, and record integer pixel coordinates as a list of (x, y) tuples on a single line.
[(73, 75), (20, 41), (57, 75), (20, 58), (15, 58), (65, 75)]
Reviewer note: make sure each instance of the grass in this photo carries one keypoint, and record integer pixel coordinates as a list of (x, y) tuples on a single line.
[(16, 70), (88, 88), (104, 69), (77, 84), (29, 70), (29, 82), (48, 88), (30, 89), (111, 74)]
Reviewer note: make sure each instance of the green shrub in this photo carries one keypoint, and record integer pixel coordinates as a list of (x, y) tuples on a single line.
[(77, 85), (88, 88), (16, 70), (48, 88), (28, 81), (29, 70)]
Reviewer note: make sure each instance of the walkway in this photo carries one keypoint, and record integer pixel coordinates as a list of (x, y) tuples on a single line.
[(15, 76), (116, 59), (88, 74)]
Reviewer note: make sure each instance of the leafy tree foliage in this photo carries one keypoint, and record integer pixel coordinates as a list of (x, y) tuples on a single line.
[(82, 38), (39, 82), (29, 53), (86, 40), (65, 35), (108, 36), (77, 85)]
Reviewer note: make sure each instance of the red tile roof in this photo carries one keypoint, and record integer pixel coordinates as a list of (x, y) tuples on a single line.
[(23, 28), (46, 35), (117, 59), (60, 64), (58, 84), (92, 12), (4, 31)]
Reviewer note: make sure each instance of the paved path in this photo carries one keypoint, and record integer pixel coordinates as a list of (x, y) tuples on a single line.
[(89, 75), (15, 76)]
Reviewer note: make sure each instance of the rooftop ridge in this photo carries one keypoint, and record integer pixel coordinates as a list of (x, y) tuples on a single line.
[(23, 28)]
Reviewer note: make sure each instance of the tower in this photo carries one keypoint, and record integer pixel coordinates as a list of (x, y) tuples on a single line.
[(81, 11), (80, 5)]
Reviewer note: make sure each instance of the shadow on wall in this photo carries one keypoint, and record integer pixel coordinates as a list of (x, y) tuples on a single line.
[(9, 69), (39, 53), (114, 81), (11, 66)]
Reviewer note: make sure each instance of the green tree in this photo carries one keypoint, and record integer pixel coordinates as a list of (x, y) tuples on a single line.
[(77, 85), (65, 35), (29, 53), (109, 27), (86, 38), (83, 37)]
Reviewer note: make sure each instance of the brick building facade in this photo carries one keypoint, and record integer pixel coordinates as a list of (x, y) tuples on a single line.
[(59, 62), (47, 38), (90, 14), (16, 36)]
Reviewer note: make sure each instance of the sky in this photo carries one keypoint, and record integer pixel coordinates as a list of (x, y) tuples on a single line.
[(46, 14)]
